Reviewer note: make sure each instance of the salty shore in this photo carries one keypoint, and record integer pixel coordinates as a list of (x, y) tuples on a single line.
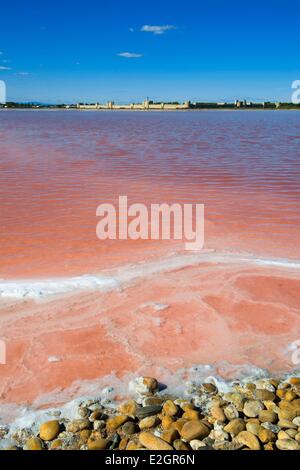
[(262, 414)]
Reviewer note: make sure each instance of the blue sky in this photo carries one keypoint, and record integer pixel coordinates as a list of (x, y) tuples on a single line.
[(65, 51)]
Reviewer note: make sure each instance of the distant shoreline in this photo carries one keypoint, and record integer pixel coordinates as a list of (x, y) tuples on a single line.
[(149, 110)]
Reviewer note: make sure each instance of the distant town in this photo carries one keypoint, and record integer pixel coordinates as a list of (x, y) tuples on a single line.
[(159, 106)]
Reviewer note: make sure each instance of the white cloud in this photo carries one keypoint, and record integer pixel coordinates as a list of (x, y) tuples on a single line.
[(4, 68), (22, 73), (130, 55), (157, 29)]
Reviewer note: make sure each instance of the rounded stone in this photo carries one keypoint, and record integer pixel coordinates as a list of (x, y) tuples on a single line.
[(196, 444), (151, 442), (290, 395), (129, 428), (217, 413), (128, 408), (169, 436), (236, 398), (286, 424), (97, 444), (143, 385), (167, 422), (84, 435), (267, 416), (194, 430), (133, 445), (123, 443), (148, 422), (34, 443), (178, 425), (78, 425), (95, 415), (252, 408), (231, 412), (295, 380), (287, 444), (180, 445), (169, 408), (254, 428), (56, 444), (235, 426), (209, 388), (248, 439), (115, 422), (265, 435), (263, 394), (49, 430), (190, 415), (297, 421)]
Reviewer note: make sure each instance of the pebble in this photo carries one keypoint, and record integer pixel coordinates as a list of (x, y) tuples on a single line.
[(115, 422), (285, 423), (167, 422), (34, 443), (231, 412), (128, 408), (169, 408), (49, 430), (97, 444), (287, 444), (263, 394), (193, 430), (95, 415), (148, 411), (196, 444), (295, 380), (236, 398), (217, 412), (252, 408), (249, 440), (148, 422), (143, 386), (178, 444), (169, 436), (151, 442), (57, 444), (267, 416), (254, 428), (235, 426), (78, 425), (129, 428), (190, 415), (265, 435), (263, 414)]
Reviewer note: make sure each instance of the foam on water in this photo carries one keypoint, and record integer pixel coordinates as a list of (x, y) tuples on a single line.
[(36, 288)]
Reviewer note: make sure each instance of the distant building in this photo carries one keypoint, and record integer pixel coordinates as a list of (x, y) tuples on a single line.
[(145, 105)]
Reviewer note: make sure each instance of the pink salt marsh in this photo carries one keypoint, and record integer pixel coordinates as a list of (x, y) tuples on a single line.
[(238, 301)]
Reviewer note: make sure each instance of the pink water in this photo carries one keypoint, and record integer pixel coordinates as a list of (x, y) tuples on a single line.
[(57, 166)]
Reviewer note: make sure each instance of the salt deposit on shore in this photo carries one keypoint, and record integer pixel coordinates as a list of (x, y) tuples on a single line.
[(262, 414)]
